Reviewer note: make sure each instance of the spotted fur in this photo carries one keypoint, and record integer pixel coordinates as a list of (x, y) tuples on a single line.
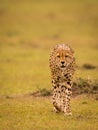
[(62, 65)]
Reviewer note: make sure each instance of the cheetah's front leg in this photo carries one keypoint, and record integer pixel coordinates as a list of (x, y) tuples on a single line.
[(55, 99), (67, 110)]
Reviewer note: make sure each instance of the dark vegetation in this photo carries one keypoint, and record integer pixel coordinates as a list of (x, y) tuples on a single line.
[(80, 86), (88, 66)]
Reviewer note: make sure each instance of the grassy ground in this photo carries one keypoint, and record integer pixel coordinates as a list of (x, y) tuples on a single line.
[(28, 31), (29, 113)]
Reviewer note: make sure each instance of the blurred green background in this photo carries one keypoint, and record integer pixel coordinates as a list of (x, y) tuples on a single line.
[(28, 31)]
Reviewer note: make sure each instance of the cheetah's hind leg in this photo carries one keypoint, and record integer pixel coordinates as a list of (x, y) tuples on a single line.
[(56, 108), (68, 114)]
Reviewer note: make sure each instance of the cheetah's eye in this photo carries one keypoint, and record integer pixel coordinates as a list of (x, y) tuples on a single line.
[(66, 56), (58, 56)]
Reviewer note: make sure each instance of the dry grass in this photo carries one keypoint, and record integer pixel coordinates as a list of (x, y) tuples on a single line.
[(36, 113)]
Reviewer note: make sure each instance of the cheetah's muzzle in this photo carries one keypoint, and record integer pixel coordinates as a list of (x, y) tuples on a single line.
[(62, 66)]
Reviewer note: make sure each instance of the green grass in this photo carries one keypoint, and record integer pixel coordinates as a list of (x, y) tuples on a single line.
[(28, 31), (31, 113)]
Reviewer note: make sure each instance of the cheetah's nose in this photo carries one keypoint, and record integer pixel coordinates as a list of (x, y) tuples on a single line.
[(62, 62)]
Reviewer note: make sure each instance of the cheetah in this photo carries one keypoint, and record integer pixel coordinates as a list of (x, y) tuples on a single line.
[(62, 66)]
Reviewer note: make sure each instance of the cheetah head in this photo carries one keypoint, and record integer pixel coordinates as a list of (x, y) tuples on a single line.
[(63, 55)]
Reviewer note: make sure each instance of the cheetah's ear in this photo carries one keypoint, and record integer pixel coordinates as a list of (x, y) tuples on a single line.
[(70, 49), (56, 46)]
